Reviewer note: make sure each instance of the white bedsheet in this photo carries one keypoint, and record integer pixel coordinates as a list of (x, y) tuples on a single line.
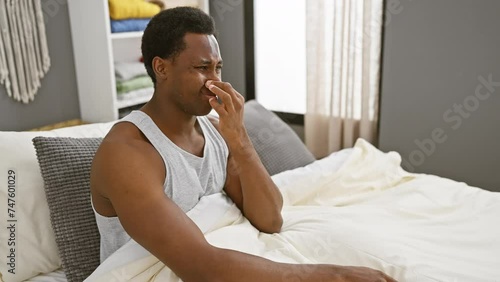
[(55, 276), (368, 212)]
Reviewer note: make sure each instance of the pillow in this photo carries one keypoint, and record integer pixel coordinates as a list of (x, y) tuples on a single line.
[(312, 174), (277, 145), (35, 246), (65, 165)]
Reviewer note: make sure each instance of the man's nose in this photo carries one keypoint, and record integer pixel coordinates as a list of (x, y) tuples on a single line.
[(214, 75)]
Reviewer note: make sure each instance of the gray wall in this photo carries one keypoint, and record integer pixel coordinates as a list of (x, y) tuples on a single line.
[(57, 99), (229, 21), (434, 52)]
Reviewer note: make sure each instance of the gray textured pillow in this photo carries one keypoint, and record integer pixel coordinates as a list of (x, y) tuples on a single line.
[(276, 143), (65, 165)]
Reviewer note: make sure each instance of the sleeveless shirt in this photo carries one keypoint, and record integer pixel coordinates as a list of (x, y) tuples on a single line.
[(188, 177)]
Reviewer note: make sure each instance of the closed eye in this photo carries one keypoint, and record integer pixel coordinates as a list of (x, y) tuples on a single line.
[(205, 68)]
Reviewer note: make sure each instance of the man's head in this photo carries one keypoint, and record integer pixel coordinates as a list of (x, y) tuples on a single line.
[(180, 54), (164, 35)]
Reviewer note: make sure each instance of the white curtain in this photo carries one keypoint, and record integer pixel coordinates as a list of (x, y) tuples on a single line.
[(343, 65), (24, 55)]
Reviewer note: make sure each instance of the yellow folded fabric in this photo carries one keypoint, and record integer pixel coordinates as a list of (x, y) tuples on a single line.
[(131, 9)]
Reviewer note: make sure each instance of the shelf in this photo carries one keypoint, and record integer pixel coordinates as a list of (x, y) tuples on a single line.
[(96, 80), (126, 35), (134, 98)]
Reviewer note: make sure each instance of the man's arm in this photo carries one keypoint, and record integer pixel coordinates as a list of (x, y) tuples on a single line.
[(253, 191), (133, 177), (250, 187), (249, 184)]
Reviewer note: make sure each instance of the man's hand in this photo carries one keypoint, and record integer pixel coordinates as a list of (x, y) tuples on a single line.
[(363, 274), (230, 112)]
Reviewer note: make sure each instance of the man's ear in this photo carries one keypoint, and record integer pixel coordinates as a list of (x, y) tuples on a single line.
[(160, 67)]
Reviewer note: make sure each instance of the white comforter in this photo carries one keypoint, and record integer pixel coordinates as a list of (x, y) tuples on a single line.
[(365, 211)]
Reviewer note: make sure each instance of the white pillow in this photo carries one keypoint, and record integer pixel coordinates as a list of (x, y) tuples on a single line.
[(32, 238)]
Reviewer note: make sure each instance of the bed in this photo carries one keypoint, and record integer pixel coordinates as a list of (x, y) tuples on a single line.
[(353, 207)]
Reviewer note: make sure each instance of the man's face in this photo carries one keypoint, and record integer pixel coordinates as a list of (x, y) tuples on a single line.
[(198, 62)]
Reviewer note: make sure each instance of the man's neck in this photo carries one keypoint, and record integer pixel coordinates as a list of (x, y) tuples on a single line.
[(171, 120)]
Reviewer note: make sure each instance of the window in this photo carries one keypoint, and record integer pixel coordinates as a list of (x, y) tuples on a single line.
[(280, 54)]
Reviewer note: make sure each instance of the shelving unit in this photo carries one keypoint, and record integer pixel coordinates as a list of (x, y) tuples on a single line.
[(125, 35), (96, 50)]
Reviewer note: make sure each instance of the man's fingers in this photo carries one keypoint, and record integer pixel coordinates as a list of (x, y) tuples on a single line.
[(223, 95), (219, 108), (226, 86), (237, 98)]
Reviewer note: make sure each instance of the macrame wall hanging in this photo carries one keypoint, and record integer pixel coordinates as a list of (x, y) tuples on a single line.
[(24, 55)]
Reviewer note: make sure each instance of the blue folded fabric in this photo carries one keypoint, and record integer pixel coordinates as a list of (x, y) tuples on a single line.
[(129, 25)]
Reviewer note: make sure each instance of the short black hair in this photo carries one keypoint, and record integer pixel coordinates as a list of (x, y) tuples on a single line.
[(164, 34)]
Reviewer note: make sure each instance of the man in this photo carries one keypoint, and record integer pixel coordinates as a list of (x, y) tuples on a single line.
[(156, 163)]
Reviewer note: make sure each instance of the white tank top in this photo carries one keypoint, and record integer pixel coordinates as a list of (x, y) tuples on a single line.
[(188, 177)]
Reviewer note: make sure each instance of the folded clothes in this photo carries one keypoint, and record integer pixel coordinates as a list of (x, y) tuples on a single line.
[(160, 3), (128, 25), (132, 9), (133, 84), (133, 100), (138, 94), (129, 70)]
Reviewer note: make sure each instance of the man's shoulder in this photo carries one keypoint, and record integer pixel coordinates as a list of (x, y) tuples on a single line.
[(124, 160), (126, 140), (126, 152)]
